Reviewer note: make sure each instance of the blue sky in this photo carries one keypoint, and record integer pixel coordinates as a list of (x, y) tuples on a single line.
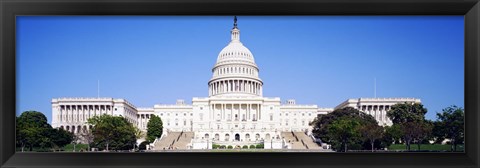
[(321, 60)]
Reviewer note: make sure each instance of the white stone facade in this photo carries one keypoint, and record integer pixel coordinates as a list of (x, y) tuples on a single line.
[(377, 107), (72, 113), (234, 112)]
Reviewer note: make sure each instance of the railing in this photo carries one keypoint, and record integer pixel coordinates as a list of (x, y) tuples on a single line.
[(293, 134)]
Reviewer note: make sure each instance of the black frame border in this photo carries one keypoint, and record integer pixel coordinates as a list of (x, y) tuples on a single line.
[(9, 9)]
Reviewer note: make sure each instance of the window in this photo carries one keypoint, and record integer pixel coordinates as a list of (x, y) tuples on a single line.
[(184, 122), (191, 114), (271, 117), (201, 116), (184, 114)]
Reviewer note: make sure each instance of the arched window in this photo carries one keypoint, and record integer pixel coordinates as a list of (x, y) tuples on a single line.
[(206, 136), (227, 137)]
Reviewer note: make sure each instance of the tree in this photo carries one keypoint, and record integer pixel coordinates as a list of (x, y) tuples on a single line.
[(371, 133), (32, 129), (342, 131), (76, 138), (320, 123), (392, 134), (422, 131), (451, 125), (60, 137), (409, 117), (154, 128), (139, 134), (407, 112), (112, 132), (88, 136)]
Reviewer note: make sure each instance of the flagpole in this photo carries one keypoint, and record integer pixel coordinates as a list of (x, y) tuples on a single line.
[(375, 87)]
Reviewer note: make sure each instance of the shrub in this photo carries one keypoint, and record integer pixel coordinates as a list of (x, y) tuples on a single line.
[(244, 147), (230, 147), (222, 147), (215, 146), (252, 146), (259, 146)]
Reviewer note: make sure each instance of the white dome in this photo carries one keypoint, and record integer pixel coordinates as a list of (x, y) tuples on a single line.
[(235, 51)]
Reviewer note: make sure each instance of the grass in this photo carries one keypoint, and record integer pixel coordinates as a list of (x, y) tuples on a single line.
[(78, 147), (432, 147), (67, 148)]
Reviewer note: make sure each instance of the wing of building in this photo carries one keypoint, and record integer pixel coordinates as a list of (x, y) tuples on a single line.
[(235, 112)]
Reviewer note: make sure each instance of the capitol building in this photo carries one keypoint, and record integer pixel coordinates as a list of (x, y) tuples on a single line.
[(234, 113)]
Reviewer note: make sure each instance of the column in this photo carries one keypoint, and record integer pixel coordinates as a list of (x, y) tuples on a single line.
[(259, 111), (227, 86), (67, 113), (231, 113), (256, 113), (60, 111), (80, 113), (248, 111), (220, 86), (223, 111), (224, 88)]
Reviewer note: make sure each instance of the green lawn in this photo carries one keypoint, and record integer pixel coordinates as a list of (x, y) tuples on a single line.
[(67, 148), (435, 147)]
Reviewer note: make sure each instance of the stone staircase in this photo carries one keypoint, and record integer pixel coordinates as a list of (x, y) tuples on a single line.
[(300, 140), (174, 140), (307, 141), (291, 139), (167, 141), (183, 140)]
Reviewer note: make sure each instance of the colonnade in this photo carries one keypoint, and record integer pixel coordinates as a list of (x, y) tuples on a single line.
[(143, 120), (379, 112), (235, 85), (81, 113), (76, 128), (235, 112)]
